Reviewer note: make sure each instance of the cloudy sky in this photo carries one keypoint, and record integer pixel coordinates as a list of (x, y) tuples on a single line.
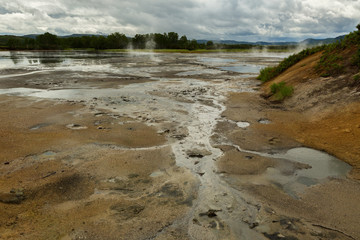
[(248, 20)]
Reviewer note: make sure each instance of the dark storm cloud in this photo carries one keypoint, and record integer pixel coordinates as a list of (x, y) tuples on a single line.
[(206, 19)]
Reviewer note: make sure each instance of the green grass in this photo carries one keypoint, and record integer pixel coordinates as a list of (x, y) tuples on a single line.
[(357, 77), (330, 64), (331, 61), (355, 60), (268, 73), (281, 91)]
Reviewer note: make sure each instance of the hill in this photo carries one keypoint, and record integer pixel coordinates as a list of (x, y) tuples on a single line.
[(312, 41), (309, 41), (325, 100)]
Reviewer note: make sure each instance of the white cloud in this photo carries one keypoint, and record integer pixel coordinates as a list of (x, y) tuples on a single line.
[(202, 19)]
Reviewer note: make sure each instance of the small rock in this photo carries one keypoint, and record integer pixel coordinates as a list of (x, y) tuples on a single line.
[(15, 196), (210, 213), (6, 163), (274, 140), (253, 224), (212, 224), (201, 173), (75, 126), (195, 221), (280, 235), (198, 153)]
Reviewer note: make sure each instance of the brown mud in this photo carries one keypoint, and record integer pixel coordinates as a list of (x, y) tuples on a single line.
[(148, 147), (323, 114)]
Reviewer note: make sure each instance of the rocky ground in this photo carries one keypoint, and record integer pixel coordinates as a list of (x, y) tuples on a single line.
[(323, 114), (171, 147)]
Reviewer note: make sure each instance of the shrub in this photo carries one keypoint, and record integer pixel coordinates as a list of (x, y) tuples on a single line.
[(357, 77), (269, 73), (356, 58), (330, 64), (281, 91)]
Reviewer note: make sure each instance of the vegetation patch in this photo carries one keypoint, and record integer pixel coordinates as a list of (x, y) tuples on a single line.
[(357, 77), (281, 91), (331, 63), (269, 73)]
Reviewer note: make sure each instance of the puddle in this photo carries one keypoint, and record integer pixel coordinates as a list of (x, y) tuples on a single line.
[(323, 166), (48, 153), (156, 174), (264, 121), (243, 124), (38, 126), (244, 68), (217, 60), (199, 72)]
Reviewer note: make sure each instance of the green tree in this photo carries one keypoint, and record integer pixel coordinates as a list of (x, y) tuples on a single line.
[(210, 45), (98, 42), (172, 40), (13, 43), (160, 41), (29, 43), (117, 41), (47, 41), (193, 45), (183, 42), (139, 41)]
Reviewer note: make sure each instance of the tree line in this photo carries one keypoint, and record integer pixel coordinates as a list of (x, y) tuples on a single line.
[(171, 40), (48, 41)]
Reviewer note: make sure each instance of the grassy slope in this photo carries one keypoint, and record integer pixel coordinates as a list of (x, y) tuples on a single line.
[(327, 97), (337, 58)]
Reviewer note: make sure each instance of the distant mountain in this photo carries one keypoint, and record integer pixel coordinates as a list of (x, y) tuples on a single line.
[(33, 36), (82, 35), (275, 43), (312, 41), (309, 41), (233, 42)]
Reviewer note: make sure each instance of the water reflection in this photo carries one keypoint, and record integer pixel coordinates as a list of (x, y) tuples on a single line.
[(42, 60), (15, 57), (36, 58)]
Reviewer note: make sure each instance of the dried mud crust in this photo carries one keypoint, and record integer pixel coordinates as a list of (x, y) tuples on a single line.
[(320, 211), (64, 177)]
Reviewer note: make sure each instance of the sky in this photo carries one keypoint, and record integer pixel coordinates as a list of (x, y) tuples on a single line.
[(242, 20)]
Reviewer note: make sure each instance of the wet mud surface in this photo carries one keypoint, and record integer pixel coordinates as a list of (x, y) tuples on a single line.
[(158, 146)]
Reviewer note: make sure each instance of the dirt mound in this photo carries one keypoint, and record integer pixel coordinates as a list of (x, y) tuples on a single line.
[(327, 108)]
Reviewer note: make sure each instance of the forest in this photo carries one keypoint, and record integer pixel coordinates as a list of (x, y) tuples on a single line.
[(171, 40)]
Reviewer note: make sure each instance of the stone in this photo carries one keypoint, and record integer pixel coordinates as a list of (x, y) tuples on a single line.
[(210, 213), (75, 126), (15, 196), (198, 153)]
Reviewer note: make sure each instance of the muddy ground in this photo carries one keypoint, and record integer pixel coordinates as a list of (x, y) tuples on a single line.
[(165, 146)]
